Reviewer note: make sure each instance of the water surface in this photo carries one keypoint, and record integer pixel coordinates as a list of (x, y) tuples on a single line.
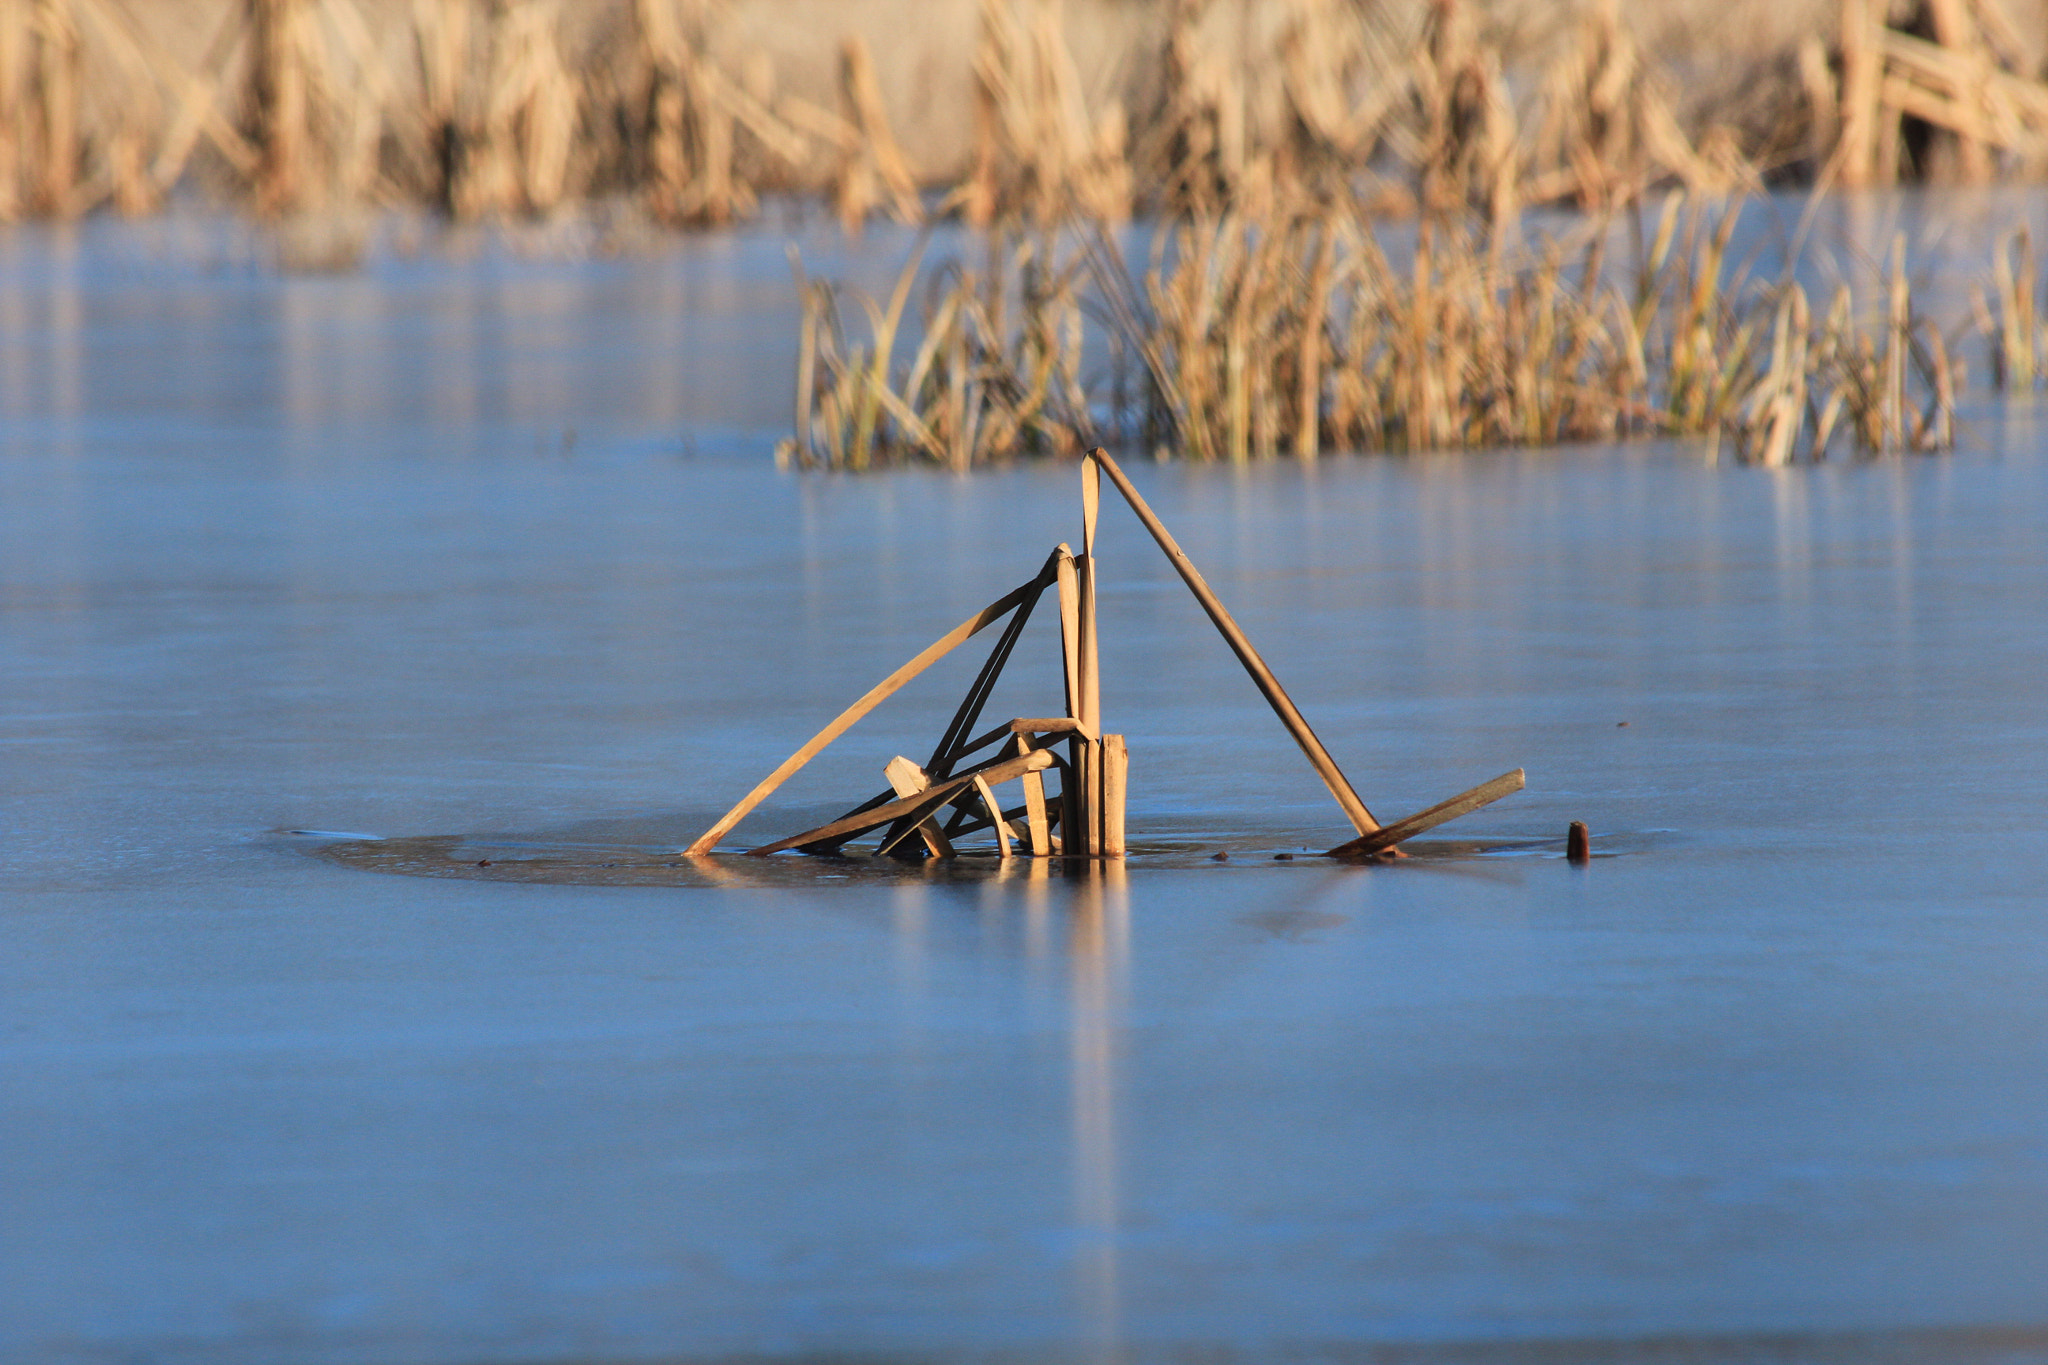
[(488, 547)]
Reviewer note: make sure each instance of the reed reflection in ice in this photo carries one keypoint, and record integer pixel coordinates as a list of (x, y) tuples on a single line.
[(1098, 956)]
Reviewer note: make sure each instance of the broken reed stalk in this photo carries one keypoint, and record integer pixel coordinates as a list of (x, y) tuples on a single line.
[(15, 143), (917, 807), (687, 130), (534, 108), (1302, 330), (873, 171), (1040, 152), (1262, 677), (277, 93), (1381, 841)]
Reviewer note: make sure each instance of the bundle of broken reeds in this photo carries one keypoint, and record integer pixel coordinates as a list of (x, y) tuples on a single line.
[(93, 111), (963, 772)]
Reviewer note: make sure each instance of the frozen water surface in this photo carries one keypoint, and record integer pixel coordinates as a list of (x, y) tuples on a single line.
[(487, 548)]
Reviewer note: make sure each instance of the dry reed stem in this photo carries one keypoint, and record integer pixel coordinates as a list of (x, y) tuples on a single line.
[(53, 113), (14, 86), (2015, 333), (873, 171), (500, 110), (117, 168), (688, 146), (277, 96), (533, 108)]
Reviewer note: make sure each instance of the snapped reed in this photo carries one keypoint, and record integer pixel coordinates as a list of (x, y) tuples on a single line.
[(1304, 331)]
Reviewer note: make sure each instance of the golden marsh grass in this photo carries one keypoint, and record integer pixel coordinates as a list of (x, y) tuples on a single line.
[(1246, 337), (518, 106)]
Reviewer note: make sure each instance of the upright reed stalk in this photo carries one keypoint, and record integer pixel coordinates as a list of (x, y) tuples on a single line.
[(278, 100), (55, 103)]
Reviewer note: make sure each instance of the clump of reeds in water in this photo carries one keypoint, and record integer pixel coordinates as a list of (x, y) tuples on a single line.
[(1303, 335), (992, 371), (1301, 332)]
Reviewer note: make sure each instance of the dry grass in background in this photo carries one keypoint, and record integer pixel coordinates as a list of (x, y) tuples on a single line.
[(491, 107)]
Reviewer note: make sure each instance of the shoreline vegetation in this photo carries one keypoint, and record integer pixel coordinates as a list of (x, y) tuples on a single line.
[(1042, 109), (1280, 145)]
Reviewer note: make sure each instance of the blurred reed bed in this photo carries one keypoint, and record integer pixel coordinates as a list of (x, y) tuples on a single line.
[(1251, 336), (1216, 106), (477, 107)]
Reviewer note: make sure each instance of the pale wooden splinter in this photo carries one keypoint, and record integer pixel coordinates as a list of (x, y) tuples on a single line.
[(908, 780)]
